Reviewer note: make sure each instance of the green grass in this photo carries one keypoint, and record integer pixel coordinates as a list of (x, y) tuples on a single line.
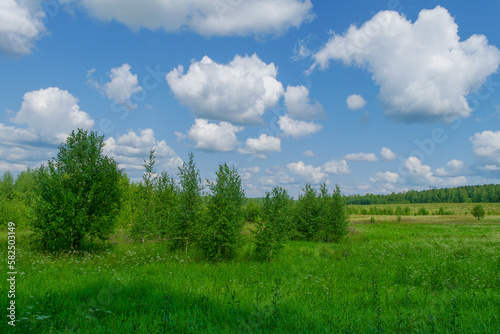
[(384, 278)]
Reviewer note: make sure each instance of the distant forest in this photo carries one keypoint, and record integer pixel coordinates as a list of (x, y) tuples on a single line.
[(489, 193)]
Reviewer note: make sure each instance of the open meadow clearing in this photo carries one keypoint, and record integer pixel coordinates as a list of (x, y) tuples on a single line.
[(425, 277)]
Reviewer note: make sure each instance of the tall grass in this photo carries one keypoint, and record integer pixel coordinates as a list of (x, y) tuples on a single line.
[(383, 278)]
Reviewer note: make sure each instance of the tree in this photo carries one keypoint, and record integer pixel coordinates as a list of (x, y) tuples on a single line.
[(334, 217), (222, 233), (478, 211), (79, 193), (167, 205), (307, 214), (185, 228), (272, 233), (144, 217)]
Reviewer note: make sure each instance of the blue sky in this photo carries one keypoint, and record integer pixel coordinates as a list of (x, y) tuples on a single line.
[(373, 96)]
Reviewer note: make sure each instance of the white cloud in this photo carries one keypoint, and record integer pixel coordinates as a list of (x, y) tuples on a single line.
[(246, 173), (454, 167), (417, 173), (486, 146), (130, 150), (489, 168), (214, 137), (423, 69), (309, 173), (51, 114), (296, 129), (254, 170), (388, 154), (360, 157), (355, 101), (336, 167), (122, 85), (387, 177), (308, 153), (261, 146), (276, 176), (239, 92), (207, 18), (299, 104), (21, 24)]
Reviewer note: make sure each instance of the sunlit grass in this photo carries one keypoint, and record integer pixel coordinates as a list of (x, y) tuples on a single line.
[(385, 277)]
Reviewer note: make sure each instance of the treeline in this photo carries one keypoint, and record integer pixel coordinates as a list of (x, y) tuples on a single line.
[(489, 193), (82, 196)]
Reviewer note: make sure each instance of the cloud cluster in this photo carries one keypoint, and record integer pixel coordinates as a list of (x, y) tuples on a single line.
[(208, 18), (21, 24), (130, 150), (239, 92), (423, 69), (418, 174), (336, 167), (48, 115), (299, 104), (454, 167), (387, 177), (309, 173)]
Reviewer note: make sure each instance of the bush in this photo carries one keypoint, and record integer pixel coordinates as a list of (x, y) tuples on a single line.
[(334, 222), (307, 214), (79, 193), (422, 212)]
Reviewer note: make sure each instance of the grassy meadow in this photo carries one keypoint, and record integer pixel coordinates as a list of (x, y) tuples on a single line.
[(425, 274)]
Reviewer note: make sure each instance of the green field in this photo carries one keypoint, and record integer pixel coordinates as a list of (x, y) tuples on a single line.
[(427, 274)]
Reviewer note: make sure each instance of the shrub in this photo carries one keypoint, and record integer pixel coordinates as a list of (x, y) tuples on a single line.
[(307, 214), (334, 222)]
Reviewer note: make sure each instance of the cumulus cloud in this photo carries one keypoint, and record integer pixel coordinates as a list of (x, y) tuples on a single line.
[(214, 137), (21, 24), (207, 18), (387, 177), (360, 157), (336, 167), (261, 146), (387, 154), (296, 129), (423, 69), (309, 173), (238, 92), (130, 149), (486, 146), (299, 105), (355, 101), (308, 153), (454, 167), (51, 114), (122, 85), (417, 173)]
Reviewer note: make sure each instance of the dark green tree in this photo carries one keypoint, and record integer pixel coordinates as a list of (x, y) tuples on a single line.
[(334, 218), (307, 214), (167, 204), (145, 215), (478, 211), (273, 232), (221, 235), (79, 193)]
